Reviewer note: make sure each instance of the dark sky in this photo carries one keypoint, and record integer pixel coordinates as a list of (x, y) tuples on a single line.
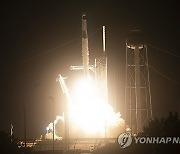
[(38, 29)]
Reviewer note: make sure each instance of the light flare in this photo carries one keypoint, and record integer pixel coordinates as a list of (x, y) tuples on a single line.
[(90, 113)]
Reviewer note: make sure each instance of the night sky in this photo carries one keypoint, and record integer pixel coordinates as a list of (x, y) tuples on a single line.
[(41, 39)]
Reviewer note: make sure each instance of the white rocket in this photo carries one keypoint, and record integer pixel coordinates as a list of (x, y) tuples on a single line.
[(85, 50)]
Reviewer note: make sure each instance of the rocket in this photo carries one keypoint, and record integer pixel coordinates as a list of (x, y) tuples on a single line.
[(85, 50)]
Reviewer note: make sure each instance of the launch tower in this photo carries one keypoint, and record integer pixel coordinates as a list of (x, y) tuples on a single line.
[(138, 108)]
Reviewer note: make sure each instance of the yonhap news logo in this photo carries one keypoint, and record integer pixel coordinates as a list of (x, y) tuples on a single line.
[(125, 140)]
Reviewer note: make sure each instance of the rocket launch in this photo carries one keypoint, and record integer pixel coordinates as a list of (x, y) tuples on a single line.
[(87, 109)]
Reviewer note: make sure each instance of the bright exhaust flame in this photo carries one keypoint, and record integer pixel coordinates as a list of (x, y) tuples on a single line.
[(88, 113)]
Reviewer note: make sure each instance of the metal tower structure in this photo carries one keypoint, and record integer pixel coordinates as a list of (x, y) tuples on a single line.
[(138, 108)]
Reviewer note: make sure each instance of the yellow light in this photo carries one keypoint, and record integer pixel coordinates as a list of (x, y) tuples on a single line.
[(90, 113)]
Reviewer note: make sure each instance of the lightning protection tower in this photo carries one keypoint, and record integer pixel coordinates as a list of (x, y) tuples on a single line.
[(101, 71), (138, 108)]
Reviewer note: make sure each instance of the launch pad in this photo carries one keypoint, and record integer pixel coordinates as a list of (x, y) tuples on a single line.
[(86, 145), (89, 122), (87, 113)]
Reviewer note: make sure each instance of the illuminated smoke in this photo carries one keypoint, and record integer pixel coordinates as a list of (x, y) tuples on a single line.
[(88, 113), (49, 129)]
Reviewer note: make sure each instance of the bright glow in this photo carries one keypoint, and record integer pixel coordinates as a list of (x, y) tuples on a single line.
[(90, 113), (128, 129)]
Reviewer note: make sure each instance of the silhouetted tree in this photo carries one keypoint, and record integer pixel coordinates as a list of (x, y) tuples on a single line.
[(163, 127)]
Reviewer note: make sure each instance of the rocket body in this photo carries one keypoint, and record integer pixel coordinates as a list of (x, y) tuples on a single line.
[(85, 50)]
